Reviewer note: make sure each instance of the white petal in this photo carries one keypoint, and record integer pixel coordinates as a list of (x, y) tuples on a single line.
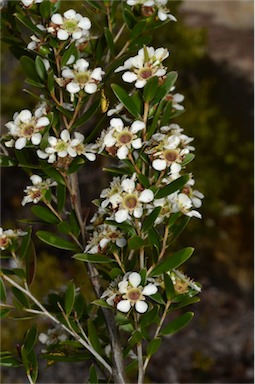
[(62, 153), (149, 289), (73, 87), (138, 212), (36, 179), (194, 214), (70, 14), (36, 138), (57, 19), (77, 35), (90, 156), (122, 152), (137, 143), (65, 135), (140, 83), (90, 88), (81, 65), (129, 77), (146, 196), (42, 122), (121, 242), (124, 306), (84, 23), (162, 15), (104, 242), (128, 185), (25, 116), (79, 136), (121, 215), (20, 143), (62, 34), (135, 279), (137, 126), (41, 154), (123, 286), (109, 140), (175, 168), (116, 122), (196, 202), (52, 140), (141, 306), (97, 74), (10, 143), (67, 73), (71, 152), (159, 165)]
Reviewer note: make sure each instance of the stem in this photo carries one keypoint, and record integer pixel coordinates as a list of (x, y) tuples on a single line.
[(119, 261), (146, 362), (30, 379), (78, 106), (123, 50), (133, 163), (116, 38), (139, 353), (55, 320), (163, 250)]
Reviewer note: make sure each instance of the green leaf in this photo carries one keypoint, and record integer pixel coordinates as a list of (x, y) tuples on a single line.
[(79, 305), (40, 68), (149, 221), (9, 360), (76, 164), (74, 224), (169, 287), (28, 23), (125, 226), (129, 18), (92, 258), (143, 180), (173, 261), (69, 297), (172, 187), (25, 242), (55, 241), (166, 115), (6, 161), (93, 337), (109, 40), (101, 303), (88, 114), (158, 298), (138, 29), (61, 196), (45, 214), (150, 89), (153, 346), (179, 227), (2, 291), (188, 158), (21, 297), (177, 324), (154, 238), (149, 317), (93, 375), (45, 9), (135, 242), (51, 81), (126, 100), (30, 259), (71, 50), (33, 366), (28, 66), (30, 339), (4, 313), (187, 301), (164, 88), (53, 173)]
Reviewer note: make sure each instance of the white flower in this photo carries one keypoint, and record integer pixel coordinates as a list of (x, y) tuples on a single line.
[(9, 236), (150, 6), (80, 77), (147, 64), (71, 24), (36, 192), (53, 336), (182, 203), (176, 99), (102, 236), (120, 139), (26, 127), (28, 3), (133, 294), (183, 284), (64, 147)]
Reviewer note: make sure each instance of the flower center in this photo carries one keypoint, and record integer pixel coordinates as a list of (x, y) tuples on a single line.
[(145, 73), (134, 294), (170, 155), (70, 25), (61, 146), (82, 77), (130, 201), (28, 130), (79, 149), (125, 137), (180, 286), (36, 194)]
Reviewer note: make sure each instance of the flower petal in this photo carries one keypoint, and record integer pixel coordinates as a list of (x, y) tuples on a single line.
[(135, 279), (122, 152), (20, 143), (137, 126), (121, 215), (65, 135), (146, 196), (62, 34), (149, 289), (90, 88), (36, 138), (73, 87), (57, 19), (129, 77), (159, 164), (141, 306), (124, 306)]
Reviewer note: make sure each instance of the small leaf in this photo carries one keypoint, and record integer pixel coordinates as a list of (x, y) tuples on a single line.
[(88, 114), (172, 187), (135, 242), (9, 360), (28, 23), (149, 221), (21, 297), (173, 261), (149, 317), (150, 89), (45, 214), (101, 303), (129, 18), (71, 50), (53, 173), (30, 339), (55, 241), (2, 291), (25, 243), (6, 161), (69, 297), (109, 40), (165, 88), (169, 287), (93, 375), (153, 346), (92, 258), (125, 99), (188, 158), (93, 337), (40, 68), (28, 65), (177, 324), (30, 263), (51, 81), (61, 196), (45, 9)]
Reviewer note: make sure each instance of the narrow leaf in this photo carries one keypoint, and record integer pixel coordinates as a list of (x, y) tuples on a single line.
[(92, 258), (45, 214), (149, 221), (172, 187), (125, 99), (55, 241), (173, 261), (40, 68), (135, 242), (30, 339), (177, 324), (69, 298), (153, 346)]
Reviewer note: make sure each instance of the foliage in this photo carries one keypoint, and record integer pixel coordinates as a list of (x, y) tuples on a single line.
[(71, 65)]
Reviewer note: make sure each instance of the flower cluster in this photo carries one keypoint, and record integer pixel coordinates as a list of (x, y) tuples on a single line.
[(149, 7), (80, 77), (66, 148), (71, 24), (128, 293), (102, 236), (168, 148), (145, 65), (53, 336), (26, 127), (183, 284), (125, 198), (119, 140), (37, 191), (9, 236), (29, 3)]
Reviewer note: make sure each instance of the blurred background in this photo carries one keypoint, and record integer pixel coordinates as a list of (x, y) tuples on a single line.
[(212, 49)]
